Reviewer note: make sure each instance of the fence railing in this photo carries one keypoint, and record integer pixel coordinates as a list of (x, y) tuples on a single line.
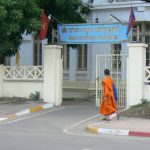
[(147, 74), (34, 73), (23, 73)]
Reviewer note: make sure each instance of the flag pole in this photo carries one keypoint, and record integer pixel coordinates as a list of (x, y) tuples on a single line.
[(131, 28), (137, 28), (131, 20), (131, 2), (131, 35)]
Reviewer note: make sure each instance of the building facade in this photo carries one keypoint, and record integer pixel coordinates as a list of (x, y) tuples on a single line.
[(79, 64)]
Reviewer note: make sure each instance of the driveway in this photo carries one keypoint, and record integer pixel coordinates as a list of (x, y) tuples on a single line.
[(63, 128)]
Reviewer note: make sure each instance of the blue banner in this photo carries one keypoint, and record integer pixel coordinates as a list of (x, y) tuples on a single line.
[(91, 33)]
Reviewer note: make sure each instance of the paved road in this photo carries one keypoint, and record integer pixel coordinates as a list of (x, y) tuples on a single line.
[(63, 129)]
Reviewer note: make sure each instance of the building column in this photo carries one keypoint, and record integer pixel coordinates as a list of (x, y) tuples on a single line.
[(52, 86), (72, 64), (136, 73)]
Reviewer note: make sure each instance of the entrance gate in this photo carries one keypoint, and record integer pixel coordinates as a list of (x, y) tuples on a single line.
[(117, 63)]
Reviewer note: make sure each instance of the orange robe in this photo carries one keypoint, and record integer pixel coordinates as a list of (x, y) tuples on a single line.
[(108, 106)]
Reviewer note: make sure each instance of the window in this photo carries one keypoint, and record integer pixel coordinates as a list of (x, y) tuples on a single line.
[(137, 24), (144, 37), (7, 61), (147, 27), (66, 57), (137, 31), (82, 57), (116, 60), (37, 51), (135, 39), (147, 41)]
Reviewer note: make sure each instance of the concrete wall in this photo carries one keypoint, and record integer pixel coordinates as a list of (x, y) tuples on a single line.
[(22, 88), (21, 81)]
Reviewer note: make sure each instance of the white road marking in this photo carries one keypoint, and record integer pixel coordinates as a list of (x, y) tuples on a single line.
[(98, 136), (78, 123), (82, 121), (34, 115)]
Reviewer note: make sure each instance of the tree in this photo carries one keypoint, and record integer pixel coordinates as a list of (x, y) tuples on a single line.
[(16, 18), (65, 11), (20, 16)]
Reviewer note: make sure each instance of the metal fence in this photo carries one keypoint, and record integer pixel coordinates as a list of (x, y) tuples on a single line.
[(117, 64)]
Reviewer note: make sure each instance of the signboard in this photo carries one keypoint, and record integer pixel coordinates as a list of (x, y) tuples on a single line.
[(91, 33)]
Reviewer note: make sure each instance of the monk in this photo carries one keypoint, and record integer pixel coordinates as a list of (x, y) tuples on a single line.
[(108, 106)]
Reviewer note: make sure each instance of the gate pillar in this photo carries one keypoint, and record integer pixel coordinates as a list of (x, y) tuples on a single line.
[(52, 86), (135, 73)]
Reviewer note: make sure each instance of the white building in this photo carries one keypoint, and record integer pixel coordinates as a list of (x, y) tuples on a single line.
[(80, 65)]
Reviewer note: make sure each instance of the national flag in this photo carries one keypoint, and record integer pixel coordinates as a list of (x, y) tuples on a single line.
[(44, 28), (131, 21)]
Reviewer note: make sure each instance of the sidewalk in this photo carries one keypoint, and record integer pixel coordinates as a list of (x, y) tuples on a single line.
[(12, 110), (123, 127)]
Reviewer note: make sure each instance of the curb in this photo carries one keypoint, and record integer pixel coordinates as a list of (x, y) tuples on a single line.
[(26, 111), (120, 132)]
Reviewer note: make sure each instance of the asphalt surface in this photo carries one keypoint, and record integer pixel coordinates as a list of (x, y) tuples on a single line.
[(63, 128), (10, 106)]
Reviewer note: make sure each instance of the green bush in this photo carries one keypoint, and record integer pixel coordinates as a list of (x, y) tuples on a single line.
[(144, 101), (35, 96)]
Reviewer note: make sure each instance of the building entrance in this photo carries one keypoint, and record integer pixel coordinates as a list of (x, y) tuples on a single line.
[(117, 63)]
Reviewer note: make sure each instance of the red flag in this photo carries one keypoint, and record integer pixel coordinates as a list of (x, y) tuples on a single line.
[(131, 21), (44, 28)]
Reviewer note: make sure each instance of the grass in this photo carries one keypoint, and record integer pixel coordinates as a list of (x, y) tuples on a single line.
[(138, 111)]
